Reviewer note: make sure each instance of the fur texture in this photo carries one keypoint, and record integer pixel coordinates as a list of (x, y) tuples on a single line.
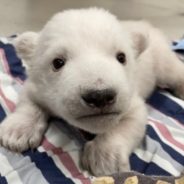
[(89, 40)]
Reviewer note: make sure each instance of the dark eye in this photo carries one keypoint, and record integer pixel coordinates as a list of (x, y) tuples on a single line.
[(58, 63), (121, 57)]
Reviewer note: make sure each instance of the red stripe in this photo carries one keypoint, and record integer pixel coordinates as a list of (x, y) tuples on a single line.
[(175, 120), (166, 134), (7, 68), (10, 105), (5, 63), (20, 81), (66, 160)]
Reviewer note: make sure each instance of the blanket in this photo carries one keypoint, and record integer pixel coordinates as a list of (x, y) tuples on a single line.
[(56, 160)]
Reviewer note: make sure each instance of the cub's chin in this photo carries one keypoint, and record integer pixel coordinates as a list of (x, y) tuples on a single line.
[(97, 123)]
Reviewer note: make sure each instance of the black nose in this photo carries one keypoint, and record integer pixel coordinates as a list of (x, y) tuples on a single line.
[(99, 98)]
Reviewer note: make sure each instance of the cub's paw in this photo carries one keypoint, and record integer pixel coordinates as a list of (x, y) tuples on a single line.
[(104, 159), (18, 133)]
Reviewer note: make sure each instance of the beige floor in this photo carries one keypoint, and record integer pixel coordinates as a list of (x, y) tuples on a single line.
[(20, 15)]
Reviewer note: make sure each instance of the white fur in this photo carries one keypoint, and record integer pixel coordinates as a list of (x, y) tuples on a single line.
[(89, 39)]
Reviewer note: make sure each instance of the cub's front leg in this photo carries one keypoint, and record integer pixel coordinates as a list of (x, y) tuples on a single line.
[(109, 153), (25, 127)]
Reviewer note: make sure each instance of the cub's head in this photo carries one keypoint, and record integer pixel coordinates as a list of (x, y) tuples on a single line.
[(81, 66)]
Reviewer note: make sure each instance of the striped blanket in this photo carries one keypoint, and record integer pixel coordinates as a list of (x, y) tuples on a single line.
[(57, 159)]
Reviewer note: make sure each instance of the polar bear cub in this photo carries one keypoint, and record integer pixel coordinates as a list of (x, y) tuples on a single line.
[(94, 71)]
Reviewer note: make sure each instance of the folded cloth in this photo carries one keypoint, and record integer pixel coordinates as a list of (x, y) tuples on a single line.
[(57, 158), (178, 47)]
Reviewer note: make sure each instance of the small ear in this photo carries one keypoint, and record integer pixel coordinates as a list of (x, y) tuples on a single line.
[(25, 45), (140, 42), (139, 34)]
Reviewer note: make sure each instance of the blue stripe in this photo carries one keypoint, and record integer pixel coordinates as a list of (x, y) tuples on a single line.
[(15, 64), (146, 168), (173, 153), (167, 106), (137, 164), (3, 180), (2, 113), (151, 168), (48, 168)]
